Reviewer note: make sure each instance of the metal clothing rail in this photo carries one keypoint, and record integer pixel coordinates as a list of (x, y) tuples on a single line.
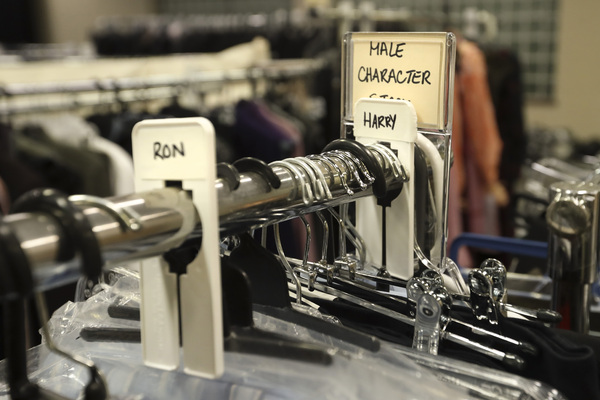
[(149, 88), (275, 69), (251, 205)]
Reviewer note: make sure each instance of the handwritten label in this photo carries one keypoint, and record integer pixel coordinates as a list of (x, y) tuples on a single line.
[(384, 119), (375, 121), (166, 150), (401, 66), (171, 149)]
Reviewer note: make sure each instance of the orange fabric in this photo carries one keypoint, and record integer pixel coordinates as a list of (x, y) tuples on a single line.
[(477, 149), (474, 118)]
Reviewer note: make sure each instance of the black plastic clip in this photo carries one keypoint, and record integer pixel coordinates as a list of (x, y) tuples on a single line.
[(76, 228), (16, 286), (229, 174), (251, 164)]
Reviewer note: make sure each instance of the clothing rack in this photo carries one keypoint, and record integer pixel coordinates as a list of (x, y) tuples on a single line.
[(253, 204), (132, 89), (250, 194)]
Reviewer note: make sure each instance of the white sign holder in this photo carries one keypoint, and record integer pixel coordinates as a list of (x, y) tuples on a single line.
[(182, 152), (414, 67), (401, 136)]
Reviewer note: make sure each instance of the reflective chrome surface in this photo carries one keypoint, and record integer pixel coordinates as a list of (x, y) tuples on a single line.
[(159, 216), (572, 218)]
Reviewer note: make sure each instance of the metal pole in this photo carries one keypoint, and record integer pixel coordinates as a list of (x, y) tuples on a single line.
[(572, 218), (252, 205)]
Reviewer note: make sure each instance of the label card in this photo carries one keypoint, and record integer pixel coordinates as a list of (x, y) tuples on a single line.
[(385, 120), (401, 66), (395, 123), (182, 150), (171, 150)]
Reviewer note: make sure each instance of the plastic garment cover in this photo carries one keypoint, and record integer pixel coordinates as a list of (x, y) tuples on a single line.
[(354, 374), (479, 382), (482, 382)]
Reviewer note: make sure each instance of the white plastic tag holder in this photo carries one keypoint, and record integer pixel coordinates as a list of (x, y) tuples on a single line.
[(413, 66), (182, 151), (395, 123)]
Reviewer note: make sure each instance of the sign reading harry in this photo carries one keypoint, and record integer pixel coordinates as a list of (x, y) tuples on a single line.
[(405, 66)]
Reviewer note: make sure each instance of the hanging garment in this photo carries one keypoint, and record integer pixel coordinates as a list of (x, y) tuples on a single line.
[(565, 365), (72, 130), (477, 148), (72, 170), (259, 134), (4, 198), (506, 88), (18, 176), (305, 111), (121, 165), (290, 124), (353, 373), (122, 126)]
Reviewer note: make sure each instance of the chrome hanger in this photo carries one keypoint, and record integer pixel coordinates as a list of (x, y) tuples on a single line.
[(389, 155), (287, 265), (506, 358), (342, 261), (347, 161), (358, 163), (299, 178), (352, 234), (320, 176), (305, 268), (329, 269), (332, 165)]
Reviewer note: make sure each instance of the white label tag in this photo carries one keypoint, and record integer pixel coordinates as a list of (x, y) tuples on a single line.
[(385, 120), (394, 122), (178, 155), (183, 150)]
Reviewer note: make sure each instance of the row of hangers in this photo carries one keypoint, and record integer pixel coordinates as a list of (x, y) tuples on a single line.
[(27, 98), (424, 301)]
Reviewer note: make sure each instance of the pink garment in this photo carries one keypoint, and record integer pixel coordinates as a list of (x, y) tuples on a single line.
[(455, 220), (477, 149)]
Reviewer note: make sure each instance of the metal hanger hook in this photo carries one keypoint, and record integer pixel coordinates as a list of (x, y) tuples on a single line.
[(353, 235), (338, 171), (359, 164), (349, 163), (317, 187), (321, 182), (307, 194), (287, 265), (325, 242), (391, 157), (306, 267)]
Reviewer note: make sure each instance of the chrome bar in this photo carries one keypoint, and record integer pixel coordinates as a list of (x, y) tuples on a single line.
[(252, 205), (572, 218)]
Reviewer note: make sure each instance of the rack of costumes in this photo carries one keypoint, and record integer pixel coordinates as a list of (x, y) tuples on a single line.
[(87, 118), (132, 89), (40, 242)]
